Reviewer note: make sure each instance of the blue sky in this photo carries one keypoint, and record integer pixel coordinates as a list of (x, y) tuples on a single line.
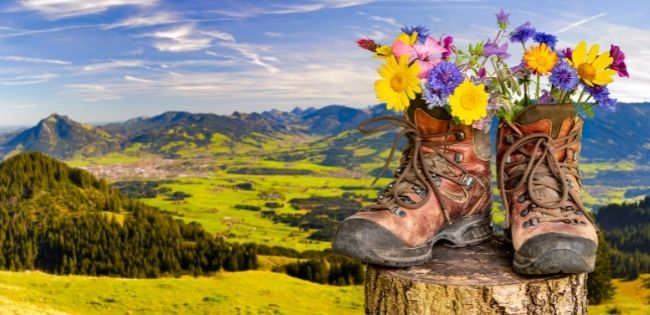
[(107, 60)]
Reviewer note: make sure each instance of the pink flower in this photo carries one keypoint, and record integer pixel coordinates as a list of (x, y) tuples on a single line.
[(426, 55)]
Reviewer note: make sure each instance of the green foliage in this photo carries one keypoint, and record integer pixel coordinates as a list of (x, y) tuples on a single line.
[(333, 270), (53, 220), (599, 282)]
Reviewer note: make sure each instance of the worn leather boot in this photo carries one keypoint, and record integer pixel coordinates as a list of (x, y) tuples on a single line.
[(440, 192), (537, 164)]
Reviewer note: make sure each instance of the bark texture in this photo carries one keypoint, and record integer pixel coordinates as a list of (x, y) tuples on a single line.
[(472, 280)]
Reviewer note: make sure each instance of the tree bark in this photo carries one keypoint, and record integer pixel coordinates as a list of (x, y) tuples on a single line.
[(472, 280)]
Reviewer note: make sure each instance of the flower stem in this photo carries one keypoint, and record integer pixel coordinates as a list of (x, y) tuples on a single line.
[(537, 89), (582, 93)]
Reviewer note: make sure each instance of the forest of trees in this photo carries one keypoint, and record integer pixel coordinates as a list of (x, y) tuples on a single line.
[(65, 221), (627, 229)]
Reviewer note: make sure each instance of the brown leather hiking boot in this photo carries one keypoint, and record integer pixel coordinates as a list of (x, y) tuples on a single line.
[(537, 164), (441, 191)]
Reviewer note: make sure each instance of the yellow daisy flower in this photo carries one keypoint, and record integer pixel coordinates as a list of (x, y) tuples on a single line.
[(469, 102), (399, 83), (540, 59), (592, 68), (383, 52)]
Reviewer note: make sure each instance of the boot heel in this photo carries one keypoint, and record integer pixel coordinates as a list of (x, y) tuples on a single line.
[(471, 230)]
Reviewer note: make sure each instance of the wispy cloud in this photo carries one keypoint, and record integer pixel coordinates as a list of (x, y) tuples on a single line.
[(389, 20), (28, 79), (56, 9), (246, 9), (251, 53), (90, 92), (184, 38), (35, 60), (113, 64), (583, 21), (134, 79), (158, 18), (275, 34)]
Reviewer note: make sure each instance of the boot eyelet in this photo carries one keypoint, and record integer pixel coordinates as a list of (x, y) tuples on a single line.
[(460, 136), (508, 160), (467, 180), (522, 198), (401, 213), (525, 212), (531, 222), (510, 139), (458, 157)]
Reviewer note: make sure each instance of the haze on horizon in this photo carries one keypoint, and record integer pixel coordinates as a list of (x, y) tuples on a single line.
[(107, 60)]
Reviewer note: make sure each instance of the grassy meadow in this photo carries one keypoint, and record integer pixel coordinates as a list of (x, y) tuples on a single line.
[(250, 292)]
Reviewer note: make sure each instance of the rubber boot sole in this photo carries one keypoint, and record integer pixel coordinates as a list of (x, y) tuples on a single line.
[(356, 239), (554, 253)]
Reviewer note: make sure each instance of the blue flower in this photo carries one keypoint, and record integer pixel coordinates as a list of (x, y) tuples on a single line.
[(443, 79), (543, 38), (564, 77), (432, 99), (522, 33), (423, 32), (600, 93)]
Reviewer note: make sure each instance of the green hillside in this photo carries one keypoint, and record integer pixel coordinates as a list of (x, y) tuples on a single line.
[(251, 292)]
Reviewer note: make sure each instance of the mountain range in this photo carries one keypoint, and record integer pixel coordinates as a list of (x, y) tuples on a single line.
[(607, 136)]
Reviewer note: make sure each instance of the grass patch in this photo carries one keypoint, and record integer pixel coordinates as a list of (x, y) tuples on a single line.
[(255, 292)]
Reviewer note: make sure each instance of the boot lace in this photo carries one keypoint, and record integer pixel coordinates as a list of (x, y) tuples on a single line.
[(418, 173), (547, 181)]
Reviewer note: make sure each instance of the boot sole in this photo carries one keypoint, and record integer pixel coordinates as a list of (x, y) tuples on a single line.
[(555, 253), (465, 231)]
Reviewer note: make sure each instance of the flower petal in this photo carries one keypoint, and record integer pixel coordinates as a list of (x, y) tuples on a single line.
[(603, 61), (593, 52), (579, 54), (604, 77), (402, 49)]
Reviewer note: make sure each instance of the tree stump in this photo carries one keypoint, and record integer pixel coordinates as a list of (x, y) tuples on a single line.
[(472, 280)]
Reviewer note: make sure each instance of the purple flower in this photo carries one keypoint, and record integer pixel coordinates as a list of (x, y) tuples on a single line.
[(566, 53), (543, 38), (546, 98), (443, 79), (493, 49), (522, 33), (619, 61), (502, 19), (447, 42), (423, 32), (600, 93), (481, 73), (564, 77)]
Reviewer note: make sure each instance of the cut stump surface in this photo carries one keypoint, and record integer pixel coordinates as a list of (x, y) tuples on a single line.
[(472, 280)]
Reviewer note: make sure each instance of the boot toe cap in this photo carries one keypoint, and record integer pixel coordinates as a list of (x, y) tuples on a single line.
[(370, 242)]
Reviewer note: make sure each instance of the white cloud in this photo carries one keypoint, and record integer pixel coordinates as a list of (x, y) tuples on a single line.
[(56, 9), (35, 60), (28, 79), (251, 53), (90, 92), (275, 34), (389, 20), (185, 38), (251, 9), (113, 64), (158, 18), (134, 79)]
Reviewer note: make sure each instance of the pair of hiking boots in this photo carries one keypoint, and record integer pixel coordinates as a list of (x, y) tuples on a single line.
[(442, 192)]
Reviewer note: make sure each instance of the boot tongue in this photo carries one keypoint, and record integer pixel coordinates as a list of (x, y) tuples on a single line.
[(429, 121), (556, 113)]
